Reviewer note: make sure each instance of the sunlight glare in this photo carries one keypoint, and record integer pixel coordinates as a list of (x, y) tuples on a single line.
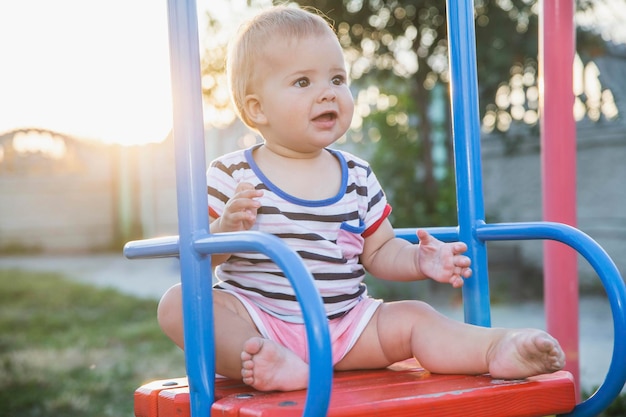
[(51, 146), (98, 69)]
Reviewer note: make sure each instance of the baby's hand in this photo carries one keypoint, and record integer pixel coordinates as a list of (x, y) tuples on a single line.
[(443, 262), (240, 211)]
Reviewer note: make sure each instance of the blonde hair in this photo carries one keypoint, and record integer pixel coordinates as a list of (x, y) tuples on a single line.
[(249, 44)]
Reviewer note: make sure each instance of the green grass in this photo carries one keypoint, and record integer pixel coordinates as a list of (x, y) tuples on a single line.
[(68, 349)]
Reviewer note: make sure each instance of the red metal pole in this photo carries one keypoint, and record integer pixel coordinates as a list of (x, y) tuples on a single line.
[(558, 144)]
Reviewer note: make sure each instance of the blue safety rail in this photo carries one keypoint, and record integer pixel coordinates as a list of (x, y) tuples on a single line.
[(194, 242)]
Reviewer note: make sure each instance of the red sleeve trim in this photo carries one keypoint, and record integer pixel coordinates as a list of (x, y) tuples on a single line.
[(370, 230), (213, 214)]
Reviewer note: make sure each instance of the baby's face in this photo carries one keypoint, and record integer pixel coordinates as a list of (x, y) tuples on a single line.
[(303, 93)]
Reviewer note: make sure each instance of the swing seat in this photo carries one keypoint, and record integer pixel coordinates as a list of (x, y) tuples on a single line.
[(403, 389)]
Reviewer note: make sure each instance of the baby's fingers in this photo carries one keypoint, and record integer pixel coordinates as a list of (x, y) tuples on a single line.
[(456, 281), (462, 261), (242, 204), (246, 190), (461, 274), (243, 186), (459, 247)]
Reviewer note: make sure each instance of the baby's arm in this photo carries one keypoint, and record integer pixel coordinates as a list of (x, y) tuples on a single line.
[(239, 214), (395, 259)]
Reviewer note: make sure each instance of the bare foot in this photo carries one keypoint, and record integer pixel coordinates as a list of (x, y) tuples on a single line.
[(268, 366), (523, 353)]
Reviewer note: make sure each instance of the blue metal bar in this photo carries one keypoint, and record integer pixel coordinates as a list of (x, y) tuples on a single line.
[(613, 284), (466, 132), (188, 132), (158, 247)]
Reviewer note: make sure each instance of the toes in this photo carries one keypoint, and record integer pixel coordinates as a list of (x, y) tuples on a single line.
[(248, 380), (247, 364), (253, 346), (548, 345), (250, 348), (247, 373)]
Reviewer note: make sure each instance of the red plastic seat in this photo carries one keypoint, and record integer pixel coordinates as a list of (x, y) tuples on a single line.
[(404, 389)]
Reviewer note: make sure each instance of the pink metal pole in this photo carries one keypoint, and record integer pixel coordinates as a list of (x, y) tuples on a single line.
[(558, 161)]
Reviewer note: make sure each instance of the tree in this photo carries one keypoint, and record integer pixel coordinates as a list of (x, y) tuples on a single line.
[(218, 112)]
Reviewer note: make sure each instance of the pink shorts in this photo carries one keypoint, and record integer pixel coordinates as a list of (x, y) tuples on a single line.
[(344, 331)]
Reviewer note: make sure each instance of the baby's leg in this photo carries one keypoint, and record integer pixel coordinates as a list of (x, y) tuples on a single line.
[(404, 329), (239, 349)]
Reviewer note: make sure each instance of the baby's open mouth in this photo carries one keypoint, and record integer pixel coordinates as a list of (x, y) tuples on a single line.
[(326, 117)]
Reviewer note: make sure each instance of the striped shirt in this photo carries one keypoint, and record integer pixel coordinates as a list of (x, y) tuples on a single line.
[(328, 234)]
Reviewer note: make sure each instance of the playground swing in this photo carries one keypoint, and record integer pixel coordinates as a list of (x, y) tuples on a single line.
[(404, 389)]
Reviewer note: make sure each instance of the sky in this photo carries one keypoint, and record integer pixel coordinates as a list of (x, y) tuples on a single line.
[(97, 69)]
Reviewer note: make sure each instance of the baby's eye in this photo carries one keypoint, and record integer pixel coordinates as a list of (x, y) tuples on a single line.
[(339, 80), (302, 82)]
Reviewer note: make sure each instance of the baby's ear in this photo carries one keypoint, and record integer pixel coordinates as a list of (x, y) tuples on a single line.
[(254, 110)]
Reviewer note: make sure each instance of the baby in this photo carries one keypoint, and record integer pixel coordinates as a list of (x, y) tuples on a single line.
[(289, 83)]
